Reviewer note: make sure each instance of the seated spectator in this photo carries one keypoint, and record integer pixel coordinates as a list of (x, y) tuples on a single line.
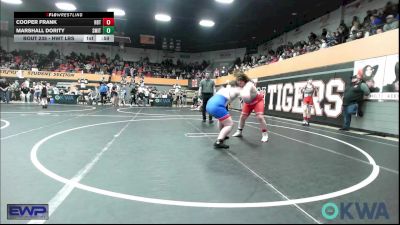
[(324, 33), (263, 60), (312, 37), (323, 44), (354, 30), (367, 19), (376, 23), (355, 20), (359, 34), (342, 33), (391, 23), (330, 39), (390, 9)]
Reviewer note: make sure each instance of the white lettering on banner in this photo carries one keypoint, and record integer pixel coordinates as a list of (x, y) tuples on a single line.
[(264, 92), (331, 93), (384, 96), (271, 91), (319, 84), (286, 99), (298, 97), (334, 98), (279, 98)]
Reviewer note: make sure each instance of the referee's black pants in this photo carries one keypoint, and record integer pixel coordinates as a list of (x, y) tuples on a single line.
[(206, 97)]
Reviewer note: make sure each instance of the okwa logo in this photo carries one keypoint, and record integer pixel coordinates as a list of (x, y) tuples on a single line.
[(355, 210)]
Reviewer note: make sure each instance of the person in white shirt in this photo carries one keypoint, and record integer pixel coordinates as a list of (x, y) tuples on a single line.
[(38, 90)]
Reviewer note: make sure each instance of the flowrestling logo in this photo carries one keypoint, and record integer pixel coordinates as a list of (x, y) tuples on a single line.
[(355, 210)]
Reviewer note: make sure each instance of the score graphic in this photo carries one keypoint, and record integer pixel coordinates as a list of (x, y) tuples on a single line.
[(64, 27), (108, 25)]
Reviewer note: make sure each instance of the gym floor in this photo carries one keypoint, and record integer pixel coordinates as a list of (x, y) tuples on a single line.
[(158, 165)]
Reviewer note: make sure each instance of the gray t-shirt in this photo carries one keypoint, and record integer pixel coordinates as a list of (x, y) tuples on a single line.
[(207, 86)]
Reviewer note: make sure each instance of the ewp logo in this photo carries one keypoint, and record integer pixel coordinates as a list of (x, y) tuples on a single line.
[(28, 212), (364, 210)]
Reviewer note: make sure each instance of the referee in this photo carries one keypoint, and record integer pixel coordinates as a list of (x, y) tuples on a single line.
[(206, 91)]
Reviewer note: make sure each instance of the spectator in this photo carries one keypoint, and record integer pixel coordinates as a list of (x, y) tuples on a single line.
[(312, 37), (56, 91), (324, 33), (25, 94), (43, 96), (262, 61), (14, 89), (4, 91), (323, 44), (184, 98), (114, 95), (367, 19), (134, 91), (353, 96), (330, 40), (355, 20), (391, 23), (390, 9), (354, 30), (359, 34), (376, 23), (343, 32), (103, 92)]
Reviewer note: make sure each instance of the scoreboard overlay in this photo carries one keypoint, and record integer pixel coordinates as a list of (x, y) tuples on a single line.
[(64, 27)]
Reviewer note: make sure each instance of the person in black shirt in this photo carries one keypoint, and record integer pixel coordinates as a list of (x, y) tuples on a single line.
[(353, 96), (25, 93), (114, 95), (5, 91), (184, 98), (133, 95), (32, 93), (43, 96)]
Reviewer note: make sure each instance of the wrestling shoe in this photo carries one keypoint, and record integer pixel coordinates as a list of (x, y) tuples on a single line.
[(264, 137), (220, 144), (238, 133)]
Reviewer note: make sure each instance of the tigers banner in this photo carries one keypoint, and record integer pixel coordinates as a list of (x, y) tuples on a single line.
[(283, 97)]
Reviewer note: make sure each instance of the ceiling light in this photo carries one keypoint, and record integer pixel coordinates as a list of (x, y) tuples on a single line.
[(225, 1), (207, 23), (294, 14), (117, 12), (65, 6), (16, 2), (162, 17)]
